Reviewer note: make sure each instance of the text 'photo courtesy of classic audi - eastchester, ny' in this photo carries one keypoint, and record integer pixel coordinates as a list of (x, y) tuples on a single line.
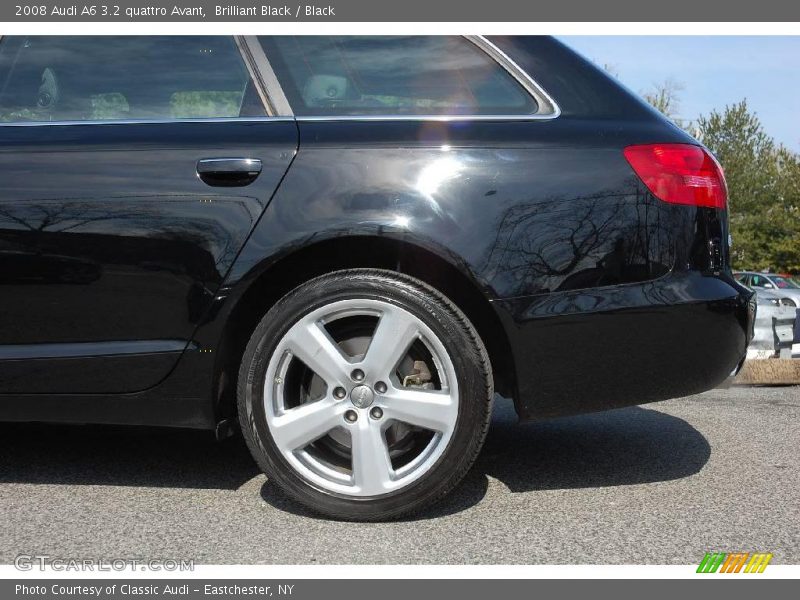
[(348, 247)]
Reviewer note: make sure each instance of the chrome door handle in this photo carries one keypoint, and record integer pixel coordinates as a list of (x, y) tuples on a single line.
[(228, 172)]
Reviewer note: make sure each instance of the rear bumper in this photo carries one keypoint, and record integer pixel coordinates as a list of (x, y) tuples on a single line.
[(597, 349)]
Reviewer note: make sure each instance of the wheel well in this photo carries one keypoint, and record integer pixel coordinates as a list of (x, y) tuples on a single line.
[(351, 253)]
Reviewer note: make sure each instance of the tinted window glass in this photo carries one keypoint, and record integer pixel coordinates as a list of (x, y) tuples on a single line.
[(413, 75), (77, 78)]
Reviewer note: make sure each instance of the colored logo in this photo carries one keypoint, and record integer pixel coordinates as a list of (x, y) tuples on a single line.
[(735, 562)]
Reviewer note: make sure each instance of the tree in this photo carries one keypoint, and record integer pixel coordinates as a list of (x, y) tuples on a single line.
[(611, 69), (664, 97), (763, 179), (763, 189), (786, 250)]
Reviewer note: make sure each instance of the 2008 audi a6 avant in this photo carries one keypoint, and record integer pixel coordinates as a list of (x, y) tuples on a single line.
[(346, 246)]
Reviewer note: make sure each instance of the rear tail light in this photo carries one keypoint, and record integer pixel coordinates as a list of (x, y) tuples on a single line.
[(679, 173)]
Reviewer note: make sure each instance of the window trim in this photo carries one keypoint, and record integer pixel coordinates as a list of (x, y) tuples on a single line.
[(533, 89), (269, 89), (523, 78), (111, 122), (252, 68)]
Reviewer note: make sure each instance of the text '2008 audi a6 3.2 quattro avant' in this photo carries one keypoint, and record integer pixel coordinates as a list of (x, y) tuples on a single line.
[(346, 246)]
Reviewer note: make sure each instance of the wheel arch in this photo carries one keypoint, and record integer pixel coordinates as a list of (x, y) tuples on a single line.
[(272, 281)]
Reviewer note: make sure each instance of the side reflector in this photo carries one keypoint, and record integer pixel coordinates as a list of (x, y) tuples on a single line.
[(679, 174)]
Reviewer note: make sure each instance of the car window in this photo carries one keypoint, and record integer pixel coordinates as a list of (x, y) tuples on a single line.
[(391, 75), (758, 281), (79, 78), (783, 283)]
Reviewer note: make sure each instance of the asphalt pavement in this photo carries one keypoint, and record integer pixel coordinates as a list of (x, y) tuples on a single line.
[(658, 484)]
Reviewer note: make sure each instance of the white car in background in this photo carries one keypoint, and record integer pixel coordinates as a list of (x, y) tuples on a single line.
[(773, 302), (782, 286)]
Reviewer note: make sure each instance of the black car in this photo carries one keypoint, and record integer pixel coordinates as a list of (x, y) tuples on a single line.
[(346, 246)]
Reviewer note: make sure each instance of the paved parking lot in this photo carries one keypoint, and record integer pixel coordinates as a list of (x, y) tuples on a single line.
[(656, 484)]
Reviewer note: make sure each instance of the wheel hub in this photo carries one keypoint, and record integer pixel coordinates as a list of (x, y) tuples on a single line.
[(362, 396)]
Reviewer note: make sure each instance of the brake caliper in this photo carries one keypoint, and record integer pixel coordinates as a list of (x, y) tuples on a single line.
[(420, 376)]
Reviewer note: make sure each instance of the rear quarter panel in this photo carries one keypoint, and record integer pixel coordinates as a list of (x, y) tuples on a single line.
[(582, 264)]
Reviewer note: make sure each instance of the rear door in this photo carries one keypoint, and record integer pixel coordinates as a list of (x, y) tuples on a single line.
[(133, 170)]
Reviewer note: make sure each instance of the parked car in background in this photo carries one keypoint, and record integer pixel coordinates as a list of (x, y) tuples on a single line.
[(346, 245), (771, 303), (784, 287), (773, 298)]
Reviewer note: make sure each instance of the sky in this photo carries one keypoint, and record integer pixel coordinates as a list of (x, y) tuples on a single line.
[(714, 70)]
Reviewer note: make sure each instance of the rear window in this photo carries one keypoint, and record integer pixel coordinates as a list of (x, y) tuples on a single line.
[(381, 75)]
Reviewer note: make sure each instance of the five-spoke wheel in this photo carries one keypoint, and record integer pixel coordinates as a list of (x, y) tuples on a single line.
[(352, 399), (367, 391)]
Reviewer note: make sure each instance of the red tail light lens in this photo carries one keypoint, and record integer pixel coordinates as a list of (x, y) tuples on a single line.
[(679, 174)]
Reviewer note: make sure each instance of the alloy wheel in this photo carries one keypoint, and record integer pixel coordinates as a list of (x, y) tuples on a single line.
[(361, 397)]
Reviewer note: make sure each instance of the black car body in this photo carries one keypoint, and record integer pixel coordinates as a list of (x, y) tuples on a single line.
[(588, 291)]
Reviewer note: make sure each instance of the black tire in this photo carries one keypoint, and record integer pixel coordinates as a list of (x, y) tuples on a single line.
[(451, 326)]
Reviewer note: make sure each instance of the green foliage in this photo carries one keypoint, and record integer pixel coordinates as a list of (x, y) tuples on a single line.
[(763, 189), (114, 105), (664, 97), (188, 105), (109, 106), (763, 182), (20, 114)]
